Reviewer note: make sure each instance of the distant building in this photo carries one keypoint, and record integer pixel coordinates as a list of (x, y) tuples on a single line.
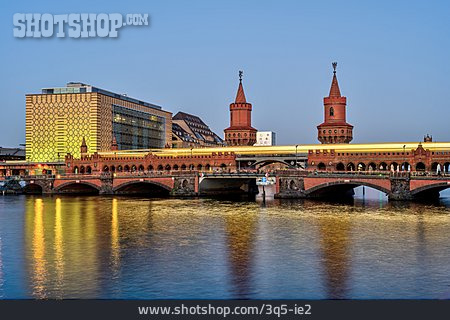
[(240, 132), (8, 154), (181, 138), (58, 119), (265, 138), (190, 131)]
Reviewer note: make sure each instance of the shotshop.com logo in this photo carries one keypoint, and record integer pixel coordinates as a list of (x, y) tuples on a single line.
[(74, 25)]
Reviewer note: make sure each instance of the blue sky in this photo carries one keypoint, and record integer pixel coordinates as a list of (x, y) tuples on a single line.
[(393, 63)]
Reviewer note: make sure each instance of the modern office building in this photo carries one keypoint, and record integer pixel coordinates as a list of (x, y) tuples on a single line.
[(58, 119), (265, 138)]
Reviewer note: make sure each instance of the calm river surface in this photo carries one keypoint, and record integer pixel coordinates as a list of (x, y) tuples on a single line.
[(118, 247)]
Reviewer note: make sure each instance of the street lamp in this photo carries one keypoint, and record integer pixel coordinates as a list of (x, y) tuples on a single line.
[(296, 166)]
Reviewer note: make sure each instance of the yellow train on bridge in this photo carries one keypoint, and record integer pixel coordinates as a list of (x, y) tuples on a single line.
[(289, 149)]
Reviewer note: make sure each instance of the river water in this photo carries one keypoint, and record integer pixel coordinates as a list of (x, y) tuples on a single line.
[(126, 248)]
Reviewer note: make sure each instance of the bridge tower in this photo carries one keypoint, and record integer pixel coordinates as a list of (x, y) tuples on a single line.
[(240, 132), (83, 147), (335, 128)]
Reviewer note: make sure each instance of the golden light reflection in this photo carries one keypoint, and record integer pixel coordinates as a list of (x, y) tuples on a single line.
[(335, 243), (240, 232), (40, 272), (58, 245), (89, 252), (115, 244)]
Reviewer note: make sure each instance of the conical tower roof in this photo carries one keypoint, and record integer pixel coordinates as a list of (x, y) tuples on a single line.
[(334, 90), (240, 96)]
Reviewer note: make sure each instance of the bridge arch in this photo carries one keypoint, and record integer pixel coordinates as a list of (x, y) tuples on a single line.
[(82, 187), (372, 166), (265, 162), (321, 166), (340, 167), (395, 166), (434, 166), (33, 188), (405, 166), (447, 167), (420, 166), (383, 166), (351, 166), (148, 188), (329, 187), (431, 189)]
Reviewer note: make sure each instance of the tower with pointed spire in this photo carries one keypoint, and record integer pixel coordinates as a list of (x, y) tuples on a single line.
[(240, 132), (83, 147), (114, 145), (335, 128)]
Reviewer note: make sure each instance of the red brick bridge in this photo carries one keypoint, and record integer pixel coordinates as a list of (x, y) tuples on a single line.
[(289, 183), (397, 185)]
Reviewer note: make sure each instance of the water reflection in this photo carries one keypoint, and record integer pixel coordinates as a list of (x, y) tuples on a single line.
[(58, 247), (1, 269), (334, 233), (115, 241), (39, 275), (101, 247), (240, 230)]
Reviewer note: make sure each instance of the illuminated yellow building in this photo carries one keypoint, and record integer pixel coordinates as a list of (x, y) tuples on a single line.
[(58, 119)]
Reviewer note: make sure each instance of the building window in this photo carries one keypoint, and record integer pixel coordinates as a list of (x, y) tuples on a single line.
[(331, 112), (135, 129)]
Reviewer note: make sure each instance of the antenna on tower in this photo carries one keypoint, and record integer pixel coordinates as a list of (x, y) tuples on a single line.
[(334, 64)]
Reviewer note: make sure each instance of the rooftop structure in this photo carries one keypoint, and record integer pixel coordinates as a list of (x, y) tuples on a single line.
[(190, 131)]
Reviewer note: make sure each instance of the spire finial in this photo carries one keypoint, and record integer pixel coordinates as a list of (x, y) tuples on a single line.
[(334, 64), (241, 73)]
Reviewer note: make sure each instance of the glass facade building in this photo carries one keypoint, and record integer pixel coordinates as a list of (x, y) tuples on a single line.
[(137, 129)]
